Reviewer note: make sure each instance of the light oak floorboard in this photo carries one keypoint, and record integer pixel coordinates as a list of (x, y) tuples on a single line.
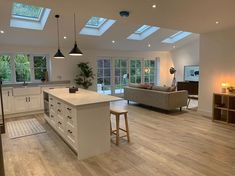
[(175, 144)]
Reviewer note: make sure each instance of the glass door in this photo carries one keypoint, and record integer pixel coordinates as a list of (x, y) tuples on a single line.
[(121, 75), (2, 130)]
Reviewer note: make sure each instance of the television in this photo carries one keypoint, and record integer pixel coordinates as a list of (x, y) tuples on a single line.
[(191, 73)]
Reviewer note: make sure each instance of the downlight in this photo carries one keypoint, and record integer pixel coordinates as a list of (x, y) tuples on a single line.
[(124, 13)]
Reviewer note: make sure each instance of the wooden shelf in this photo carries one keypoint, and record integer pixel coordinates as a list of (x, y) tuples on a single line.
[(224, 108)]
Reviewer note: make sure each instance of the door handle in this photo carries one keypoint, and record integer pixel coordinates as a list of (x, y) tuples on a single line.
[(26, 99), (29, 99), (8, 93)]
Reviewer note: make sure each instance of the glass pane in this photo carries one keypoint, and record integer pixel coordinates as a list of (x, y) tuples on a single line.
[(138, 71), (117, 72), (123, 71), (132, 71), (151, 78), (152, 71), (100, 63), (132, 63), (132, 79), (138, 79), (28, 11), (107, 63), (39, 73), (123, 63), (146, 63), (146, 79), (117, 63), (22, 65), (100, 81), (117, 80), (5, 68), (152, 63), (107, 81), (99, 72), (95, 22), (107, 72), (138, 63), (40, 61)]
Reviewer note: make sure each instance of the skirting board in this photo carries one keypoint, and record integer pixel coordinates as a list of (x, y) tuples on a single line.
[(204, 113)]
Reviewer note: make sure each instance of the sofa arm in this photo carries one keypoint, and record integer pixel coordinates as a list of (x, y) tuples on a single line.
[(177, 99)]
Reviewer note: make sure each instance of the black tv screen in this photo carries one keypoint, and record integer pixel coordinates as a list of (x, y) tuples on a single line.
[(191, 73)]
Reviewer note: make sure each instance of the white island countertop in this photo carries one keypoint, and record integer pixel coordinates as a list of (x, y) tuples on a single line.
[(81, 97)]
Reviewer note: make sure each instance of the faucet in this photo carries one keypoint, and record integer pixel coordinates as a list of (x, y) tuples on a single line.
[(25, 84)]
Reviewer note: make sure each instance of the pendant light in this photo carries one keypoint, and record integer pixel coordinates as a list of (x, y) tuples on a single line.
[(75, 51), (59, 54)]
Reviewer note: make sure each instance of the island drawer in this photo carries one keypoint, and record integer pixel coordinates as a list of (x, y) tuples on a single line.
[(53, 118), (71, 135), (70, 115)]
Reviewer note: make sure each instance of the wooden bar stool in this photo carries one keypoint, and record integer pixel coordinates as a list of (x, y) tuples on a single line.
[(117, 113)]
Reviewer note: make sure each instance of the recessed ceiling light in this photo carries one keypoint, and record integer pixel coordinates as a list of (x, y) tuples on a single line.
[(113, 41), (2, 32), (154, 6), (217, 22), (174, 46), (149, 45), (65, 37)]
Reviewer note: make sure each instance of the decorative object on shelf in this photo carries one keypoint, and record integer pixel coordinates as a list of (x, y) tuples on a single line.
[(73, 89), (85, 76), (173, 71), (75, 51), (224, 87), (59, 54), (231, 89)]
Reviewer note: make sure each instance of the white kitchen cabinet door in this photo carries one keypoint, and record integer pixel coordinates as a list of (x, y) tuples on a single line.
[(34, 102), (20, 104), (7, 101)]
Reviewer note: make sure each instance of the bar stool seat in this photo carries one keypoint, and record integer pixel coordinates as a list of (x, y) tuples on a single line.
[(117, 113)]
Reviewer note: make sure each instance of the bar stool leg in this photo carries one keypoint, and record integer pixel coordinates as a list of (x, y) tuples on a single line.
[(117, 129), (127, 127), (111, 130)]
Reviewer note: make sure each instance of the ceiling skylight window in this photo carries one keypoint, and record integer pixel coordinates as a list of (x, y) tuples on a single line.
[(97, 26), (176, 37), (96, 22), (143, 32), (29, 17)]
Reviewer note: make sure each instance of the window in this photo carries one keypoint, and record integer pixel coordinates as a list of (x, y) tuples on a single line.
[(40, 67), (95, 22), (97, 26), (28, 16), (104, 76), (5, 68), (121, 77), (15, 68), (135, 71), (22, 68), (176, 37), (143, 32), (149, 71), (25, 11)]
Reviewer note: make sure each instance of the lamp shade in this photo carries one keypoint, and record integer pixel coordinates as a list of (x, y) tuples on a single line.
[(59, 55), (75, 51)]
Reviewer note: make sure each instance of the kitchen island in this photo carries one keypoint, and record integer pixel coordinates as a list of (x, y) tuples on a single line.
[(82, 119)]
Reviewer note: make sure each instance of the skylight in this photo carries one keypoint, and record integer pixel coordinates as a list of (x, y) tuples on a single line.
[(26, 11), (97, 26), (96, 22), (29, 17), (176, 37), (143, 32), (142, 29)]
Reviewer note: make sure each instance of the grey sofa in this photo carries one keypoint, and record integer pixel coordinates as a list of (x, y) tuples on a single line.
[(159, 99)]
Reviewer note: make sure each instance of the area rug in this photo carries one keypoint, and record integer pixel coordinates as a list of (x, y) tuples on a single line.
[(21, 128)]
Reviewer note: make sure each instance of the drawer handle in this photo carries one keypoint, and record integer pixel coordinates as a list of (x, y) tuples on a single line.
[(52, 105), (51, 98), (59, 123), (58, 103), (52, 116), (69, 109), (69, 117), (70, 131), (59, 110)]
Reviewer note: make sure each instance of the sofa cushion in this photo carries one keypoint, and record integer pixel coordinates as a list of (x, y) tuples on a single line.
[(162, 88), (134, 85), (146, 86)]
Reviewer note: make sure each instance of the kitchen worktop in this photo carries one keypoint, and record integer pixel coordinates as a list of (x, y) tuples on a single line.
[(81, 97)]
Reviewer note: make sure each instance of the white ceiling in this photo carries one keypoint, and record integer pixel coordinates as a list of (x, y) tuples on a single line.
[(198, 16)]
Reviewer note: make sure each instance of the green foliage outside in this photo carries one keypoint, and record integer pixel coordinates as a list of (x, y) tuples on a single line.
[(5, 68), (40, 67), (85, 75), (22, 65)]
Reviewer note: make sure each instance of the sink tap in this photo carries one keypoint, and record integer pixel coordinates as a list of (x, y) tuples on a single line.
[(25, 84)]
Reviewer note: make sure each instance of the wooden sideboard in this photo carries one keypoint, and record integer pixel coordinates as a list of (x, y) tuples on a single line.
[(224, 107)]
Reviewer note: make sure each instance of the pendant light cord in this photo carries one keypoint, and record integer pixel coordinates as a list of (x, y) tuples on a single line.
[(58, 32), (74, 20)]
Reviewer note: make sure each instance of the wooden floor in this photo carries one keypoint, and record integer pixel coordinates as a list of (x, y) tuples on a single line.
[(178, 144)]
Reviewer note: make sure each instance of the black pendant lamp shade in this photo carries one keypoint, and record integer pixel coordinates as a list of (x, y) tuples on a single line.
[(75, 51), (59, 54)]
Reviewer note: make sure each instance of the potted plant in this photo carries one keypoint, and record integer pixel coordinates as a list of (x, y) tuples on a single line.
[(85, 76)]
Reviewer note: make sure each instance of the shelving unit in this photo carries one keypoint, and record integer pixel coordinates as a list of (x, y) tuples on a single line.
[(224, 107)]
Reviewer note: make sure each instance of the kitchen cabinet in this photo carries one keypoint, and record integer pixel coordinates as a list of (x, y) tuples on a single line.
[(7, 101), (27, 103)]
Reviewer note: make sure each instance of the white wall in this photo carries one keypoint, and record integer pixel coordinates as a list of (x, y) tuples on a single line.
[(217, 65), (185, 55), (66, 69)]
